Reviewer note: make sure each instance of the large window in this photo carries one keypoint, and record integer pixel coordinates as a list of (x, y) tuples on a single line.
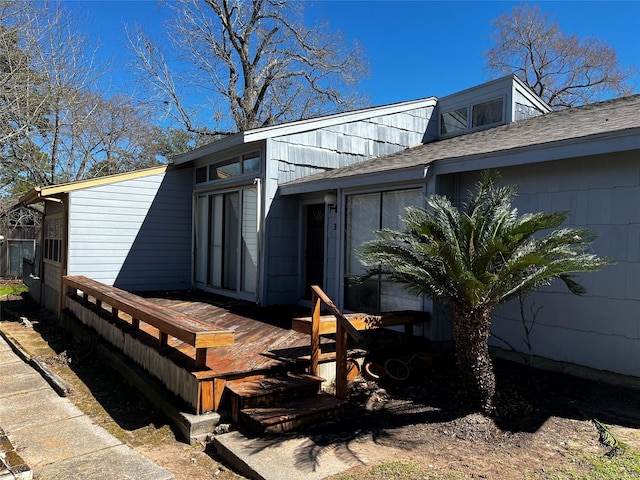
[(453, 122), (487, 113), (367, 213), (227, 241), (472, 117)]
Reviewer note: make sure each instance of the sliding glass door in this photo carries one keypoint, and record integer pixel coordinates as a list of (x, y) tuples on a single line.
[(227, 225), (367, 213)]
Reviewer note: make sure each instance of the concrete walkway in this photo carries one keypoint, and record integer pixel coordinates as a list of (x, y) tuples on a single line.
[(53, 437), (291, 456)]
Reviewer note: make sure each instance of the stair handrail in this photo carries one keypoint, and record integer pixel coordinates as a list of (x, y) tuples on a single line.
[(343, 330)]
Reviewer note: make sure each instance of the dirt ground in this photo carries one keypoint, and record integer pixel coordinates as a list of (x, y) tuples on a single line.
[(550, 426)]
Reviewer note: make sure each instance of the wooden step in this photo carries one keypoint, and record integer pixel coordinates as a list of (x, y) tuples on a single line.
[(291, 415), (270, 391)]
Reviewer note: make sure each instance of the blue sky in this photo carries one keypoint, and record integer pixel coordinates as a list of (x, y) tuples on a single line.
[(416, 48)]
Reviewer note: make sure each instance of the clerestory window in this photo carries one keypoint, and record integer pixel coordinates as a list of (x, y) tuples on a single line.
[(472, 117), (233, 167)]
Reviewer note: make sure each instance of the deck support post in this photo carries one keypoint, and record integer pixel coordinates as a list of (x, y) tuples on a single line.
[(201, 357), (218, 389), (315, 333), (341, 361), (205, 396)]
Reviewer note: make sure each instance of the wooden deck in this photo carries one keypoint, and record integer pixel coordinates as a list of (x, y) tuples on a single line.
[(264, 339), (196, 342)]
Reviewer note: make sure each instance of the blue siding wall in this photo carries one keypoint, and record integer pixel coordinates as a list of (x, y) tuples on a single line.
[(600, 329), (134, 234), (282, 242), (298, 155)]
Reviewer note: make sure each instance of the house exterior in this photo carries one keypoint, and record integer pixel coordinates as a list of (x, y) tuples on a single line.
[(19, 227), (247, 237), (266, 213), (586, 160), (253, 243), (130, 230)]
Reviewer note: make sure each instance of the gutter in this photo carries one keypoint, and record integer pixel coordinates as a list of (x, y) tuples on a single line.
[(596, 144), (400, 175)]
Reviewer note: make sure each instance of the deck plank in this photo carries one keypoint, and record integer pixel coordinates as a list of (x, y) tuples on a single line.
[(262, 339)]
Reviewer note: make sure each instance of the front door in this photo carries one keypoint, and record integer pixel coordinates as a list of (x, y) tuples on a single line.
[(314, 247)]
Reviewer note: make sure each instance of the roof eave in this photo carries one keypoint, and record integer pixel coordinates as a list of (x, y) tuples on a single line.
[(401, 175), (32, 196), (590, 145), (290, 128), (38, 194), (595, 144), (336, 119), (210, 148)]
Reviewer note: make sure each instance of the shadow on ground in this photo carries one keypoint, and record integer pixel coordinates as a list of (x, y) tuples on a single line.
[(125, 405), (384, 410)]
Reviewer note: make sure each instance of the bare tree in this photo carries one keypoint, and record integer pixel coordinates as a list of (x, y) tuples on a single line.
[(22, 106), (247, 64), (56, 122), (112, 136), (564, 70)]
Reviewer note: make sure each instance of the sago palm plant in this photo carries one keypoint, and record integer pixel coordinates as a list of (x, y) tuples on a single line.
[(475, 258)]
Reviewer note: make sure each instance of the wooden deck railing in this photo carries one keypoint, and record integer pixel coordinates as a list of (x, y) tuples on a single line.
[(343, 325), (189, 330), (343, 330)]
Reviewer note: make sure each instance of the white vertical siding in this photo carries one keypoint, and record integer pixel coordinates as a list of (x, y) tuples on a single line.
[(135, 234)]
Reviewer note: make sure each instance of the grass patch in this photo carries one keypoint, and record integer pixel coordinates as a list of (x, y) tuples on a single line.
[(625, 465), (389, 470), (395, 468), (11, 289)]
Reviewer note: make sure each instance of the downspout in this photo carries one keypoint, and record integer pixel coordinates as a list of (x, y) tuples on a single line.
[(340, 246), (258, 183), (194, 239)]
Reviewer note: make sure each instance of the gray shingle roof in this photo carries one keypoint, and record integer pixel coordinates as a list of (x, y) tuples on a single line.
[(597, 118)]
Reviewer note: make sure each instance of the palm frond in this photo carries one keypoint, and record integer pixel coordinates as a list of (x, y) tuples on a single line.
[(482, 254)]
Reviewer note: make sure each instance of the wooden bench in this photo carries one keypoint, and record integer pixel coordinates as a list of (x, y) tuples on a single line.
[(189, 330), (360, 321)]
